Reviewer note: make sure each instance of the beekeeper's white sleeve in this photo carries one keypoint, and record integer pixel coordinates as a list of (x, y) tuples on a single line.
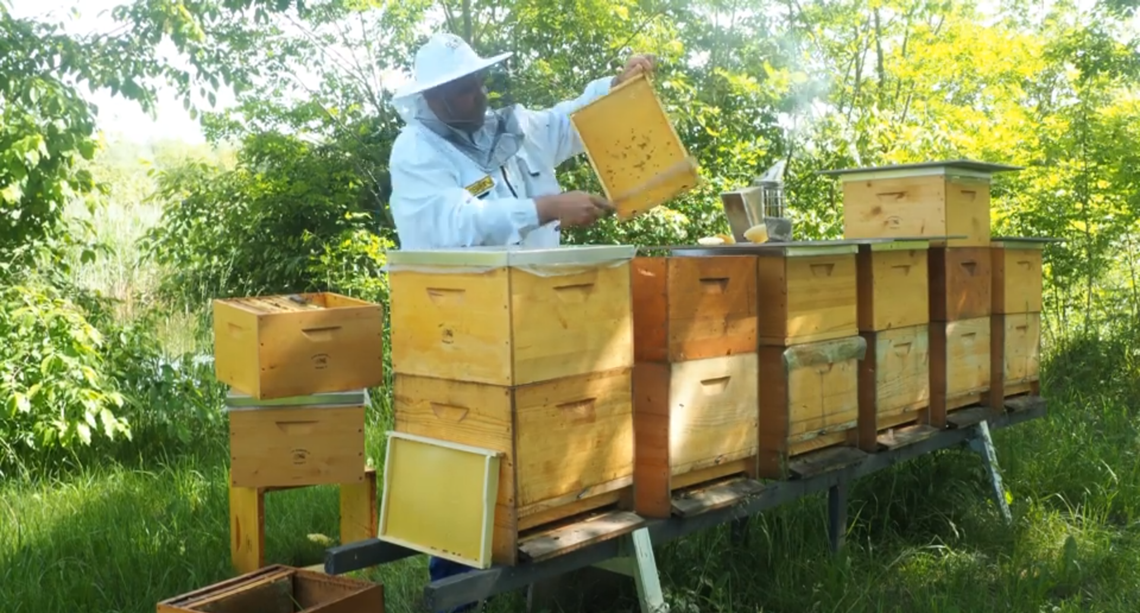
[(433, 210)]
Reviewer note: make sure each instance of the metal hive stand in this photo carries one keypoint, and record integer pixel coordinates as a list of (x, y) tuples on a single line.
[(632, 554)]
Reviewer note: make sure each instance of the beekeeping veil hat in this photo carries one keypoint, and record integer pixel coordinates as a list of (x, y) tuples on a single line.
[(442, 59)]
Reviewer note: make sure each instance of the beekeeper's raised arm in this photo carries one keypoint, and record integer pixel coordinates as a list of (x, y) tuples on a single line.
[(463, 175)]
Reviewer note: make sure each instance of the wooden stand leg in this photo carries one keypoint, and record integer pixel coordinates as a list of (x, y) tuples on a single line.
[(636, 560), (983, 445), (837, 515), (247, 528), (358, 512)]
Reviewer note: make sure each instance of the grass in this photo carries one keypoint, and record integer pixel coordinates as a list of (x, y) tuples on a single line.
[(121, 535)]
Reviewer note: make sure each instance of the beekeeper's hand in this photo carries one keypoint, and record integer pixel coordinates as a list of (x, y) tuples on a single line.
[(572, 209), (640, 63)]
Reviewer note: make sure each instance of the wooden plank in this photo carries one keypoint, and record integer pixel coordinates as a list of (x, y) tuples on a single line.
[(826, 460), (296, 446), (960, 283), (893, 439), (703, 499), (578, 535), (247, 529), (967, 417), (893, 289)]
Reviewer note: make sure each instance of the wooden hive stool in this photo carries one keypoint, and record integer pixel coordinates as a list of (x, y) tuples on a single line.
[(296, 442)]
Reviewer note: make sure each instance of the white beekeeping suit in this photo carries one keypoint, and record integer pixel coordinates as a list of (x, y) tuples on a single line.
[(451, 189)]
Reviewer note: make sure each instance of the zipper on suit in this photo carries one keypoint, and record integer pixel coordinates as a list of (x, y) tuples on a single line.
[(508, 181)]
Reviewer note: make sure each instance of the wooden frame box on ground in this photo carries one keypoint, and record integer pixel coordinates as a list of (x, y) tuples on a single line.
[(281, 589), (694, 422), (961, 283), (959, 366), (511, 316), (894, 283), (280, 346), (809, 400), (567, 443), (690, 308), (303, 440), (894, 382), (939, 199), (805, 290), (634, 149)]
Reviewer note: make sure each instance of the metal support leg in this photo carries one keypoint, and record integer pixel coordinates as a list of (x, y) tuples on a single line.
[(636, 560), (983, 445), (837, 515), (739, 531)]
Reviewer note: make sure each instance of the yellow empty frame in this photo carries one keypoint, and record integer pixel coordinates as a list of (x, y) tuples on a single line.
[(634, 148), (439, 498)]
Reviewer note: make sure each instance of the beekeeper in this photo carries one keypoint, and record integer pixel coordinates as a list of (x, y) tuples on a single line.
[(464, 175)]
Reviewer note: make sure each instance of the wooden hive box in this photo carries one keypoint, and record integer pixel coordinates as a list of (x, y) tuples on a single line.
[(959, 366), (893, 284), (566, 444), (281, 589), (894, 382), (805, 290), (280, 346), (304, 440), (809, 400), (690, 308), (961, 280), (634, 149), (694, 422), (1015, 326), (936, 199), (511, 316)]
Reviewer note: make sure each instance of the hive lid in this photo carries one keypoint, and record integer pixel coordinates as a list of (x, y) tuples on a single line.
[(959, 167), (237, 401), (497, 257), (789, 249), (1023, 242)]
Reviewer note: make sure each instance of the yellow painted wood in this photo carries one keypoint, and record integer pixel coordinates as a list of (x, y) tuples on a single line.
[(894, 289), (918, 206), (247, 528), (509, 326), (806, 299), (296, 446), (1022, 348), (270, 347), (359, 509), (439, 498), (712, 412), (634, 149), (967, 357), (902, 371)]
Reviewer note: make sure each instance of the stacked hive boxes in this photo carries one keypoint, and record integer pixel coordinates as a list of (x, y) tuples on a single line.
[(528, 353), (948, 203), (299, 367), (1016, 322), (695, 380), (894, 316)]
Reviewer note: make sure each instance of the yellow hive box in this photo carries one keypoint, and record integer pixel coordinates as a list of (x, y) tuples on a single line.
[(634, 148), (511, 316), (305, 440), (281, 346), (935, 199)]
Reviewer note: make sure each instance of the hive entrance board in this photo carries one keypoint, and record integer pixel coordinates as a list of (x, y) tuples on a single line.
[(439, 498), (634, 149)]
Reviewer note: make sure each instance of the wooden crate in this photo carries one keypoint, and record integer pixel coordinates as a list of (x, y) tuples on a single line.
[(809, 400), (959, 365), (893, 284), (280, 346), (694, 422), (306, 440), (806, 293), (1015, 356), (894, 382), (960, 283), (931, 199), (511, 316), (1017, 275), (567, 444), (633, 148), (690, 308), (279, 589)]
